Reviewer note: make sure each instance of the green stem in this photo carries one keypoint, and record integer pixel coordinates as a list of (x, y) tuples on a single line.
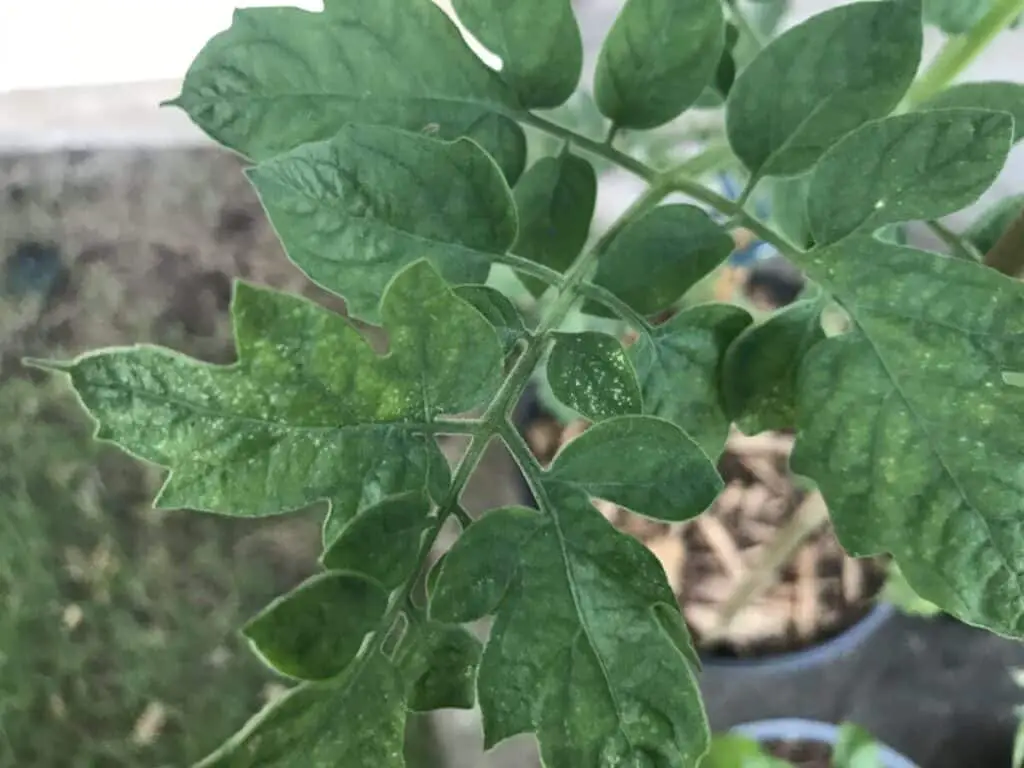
[(587, 290), (495, 419), (959, 247), (631, 164), (961, 50), (521, 454)]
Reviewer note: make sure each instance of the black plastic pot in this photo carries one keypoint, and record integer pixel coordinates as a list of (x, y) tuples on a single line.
[(824, 653), (793, 729)]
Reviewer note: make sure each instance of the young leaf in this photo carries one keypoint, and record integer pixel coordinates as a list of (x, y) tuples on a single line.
[(360, 716), (840, 68), (912, 431), (354, 210), (984, 233), (759, 374), (921, 165), (309, 412), (555, 199), (731, 750), (679, 364), (500, 312), (855, 748), (382, 542), (440, 663), (564, 585), (660, 256), (657, 60), (281, 77), (590, 373), (997, 97), (644, 464), (538, 42), (314, 632)]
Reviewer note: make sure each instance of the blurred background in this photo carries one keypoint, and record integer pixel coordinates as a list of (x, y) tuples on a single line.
[(119, 223)]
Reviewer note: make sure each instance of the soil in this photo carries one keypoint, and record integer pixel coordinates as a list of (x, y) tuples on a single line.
[(802, 754)]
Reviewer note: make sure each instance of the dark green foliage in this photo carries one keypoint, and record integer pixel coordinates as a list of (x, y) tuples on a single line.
[(389, 159)]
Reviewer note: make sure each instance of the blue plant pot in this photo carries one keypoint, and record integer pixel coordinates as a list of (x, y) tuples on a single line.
[(819, 655), (793, 729)]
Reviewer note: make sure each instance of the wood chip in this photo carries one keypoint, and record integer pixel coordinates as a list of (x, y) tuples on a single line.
[(768, 472), (853, 580), (574, 430), (806, 594), (543, 438), (722, 544), (755, 501), (731, 497), (611, 511), (766, 443), (671, 553)]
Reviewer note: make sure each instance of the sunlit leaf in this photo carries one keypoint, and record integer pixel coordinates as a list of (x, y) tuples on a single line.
[(564, 586), (353, 210)]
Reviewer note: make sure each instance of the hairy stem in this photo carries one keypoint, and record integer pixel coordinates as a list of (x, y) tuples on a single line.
[(1007, 255), (961, 50)]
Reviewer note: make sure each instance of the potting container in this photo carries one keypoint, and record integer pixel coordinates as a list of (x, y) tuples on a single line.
[(793, 729)]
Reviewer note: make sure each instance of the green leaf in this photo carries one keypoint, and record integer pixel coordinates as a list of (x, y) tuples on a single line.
[(354, 210), (644, 464), (359, 717), (538, 42), (591, 373), (555, 199), (657, 59), (732, 750), (911, 430), (679, 367), (281, 77), (660, 256), (841, 68), (759, 374), (315, 631), (855, 748), (499, 311), (309, 412), (921, 165), (899, 593), (382, 542), (984, 233), (993, 96), (440, 663), (788, 201), (954, 17), (564, 585)]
